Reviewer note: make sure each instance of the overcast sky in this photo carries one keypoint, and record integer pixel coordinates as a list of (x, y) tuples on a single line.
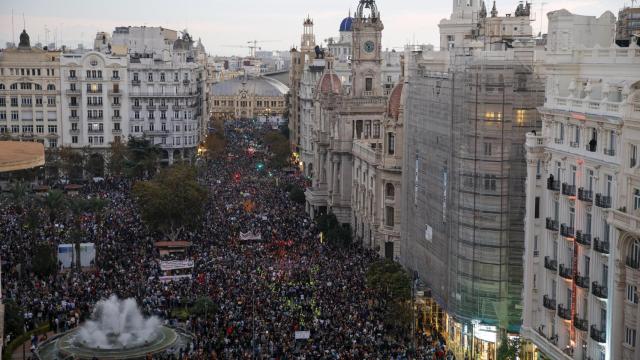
[(221, 24)]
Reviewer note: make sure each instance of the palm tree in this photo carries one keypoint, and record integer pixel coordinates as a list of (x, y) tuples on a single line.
[(19, 195), (54, 203), (77, 207)]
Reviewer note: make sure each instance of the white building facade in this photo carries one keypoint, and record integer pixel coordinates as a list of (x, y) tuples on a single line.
[(582, 226)]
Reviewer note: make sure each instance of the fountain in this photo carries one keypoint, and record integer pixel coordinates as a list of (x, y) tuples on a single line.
[(118, 330)]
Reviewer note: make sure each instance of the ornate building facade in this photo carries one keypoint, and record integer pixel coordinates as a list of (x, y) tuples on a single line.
[(248, 97), (582, 241), (30, 93), (356, 134)]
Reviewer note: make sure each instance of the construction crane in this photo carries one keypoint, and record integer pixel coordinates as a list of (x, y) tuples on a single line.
[(251, 45)]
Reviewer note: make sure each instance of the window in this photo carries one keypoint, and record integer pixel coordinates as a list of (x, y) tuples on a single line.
[(376, 130), (150, 77), (74, 126), (487, 149), (537, 210), (368, 84), (636, 199), (3, 115), (389, 216), (633, 155), (72, 73), (14, 101), (135, 77), (51, 87), (151, 127), (490, 182), (3, 101), (51, 101), (40, 129), (151, 115), (53, 143), (115, 74), (391, 143), (390, 191), (630, 337), (14, 115), (74, 139), (136, 115), (52, 129), (163, 115), (162, 79), (116, 126), (632, 293)]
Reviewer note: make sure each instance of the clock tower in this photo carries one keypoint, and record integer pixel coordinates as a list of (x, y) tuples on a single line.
[(367, 51)]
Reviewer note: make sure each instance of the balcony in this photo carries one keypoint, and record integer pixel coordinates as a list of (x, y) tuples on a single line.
[(567, 231), (136, 107), (582, 281), (566, 272), (585, 195), (603, 201), (95, 131), (549, 303), (633, 263), (163, 107), (583, 239), (116, 118), (558, 141), (186, 82), (580, 324), (552, 224), (601, 246), (569, 190), (115, 78), (598, 290), (610, 152), (114, 92), (151, 107), (116, 132), (135, 82), (74, 105), (574, 144), (72, 92), (72, 78), (94, 105), (598, 335), (115, 105), (553, 185), (74, 132), (156, 132), (74, 118), (550, 264), (564, 312)]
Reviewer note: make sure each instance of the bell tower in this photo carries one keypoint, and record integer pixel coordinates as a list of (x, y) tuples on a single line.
[(367, 51), (308, 42)]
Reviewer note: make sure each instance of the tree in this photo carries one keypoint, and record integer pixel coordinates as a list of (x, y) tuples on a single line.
[(509, 349), (95, 165), (44, 261), (279, 146), (78, 206), (13, 319), (71, 163), (297, 195), (171, 201), (204, 307), (337, 235), (215, 145), (142, 158), (117, 159), (54, 203), (392, 285)]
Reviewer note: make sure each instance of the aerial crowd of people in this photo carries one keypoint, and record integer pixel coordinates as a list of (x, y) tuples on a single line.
[(264, 291)]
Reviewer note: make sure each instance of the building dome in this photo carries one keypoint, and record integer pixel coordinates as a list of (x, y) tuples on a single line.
[(395, 100), (330, 83), (346, 24)]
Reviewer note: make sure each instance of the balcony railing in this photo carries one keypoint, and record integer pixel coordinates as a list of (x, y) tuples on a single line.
[(74, 118), (592, 148), (135, 82), (116, 105), (550, 264), (598, 290), (72, 91), (565, 272), (552, 224), (582, 238), (582, 281), (136, 107), (610, 152), (553, 185), (574, 144), (580, 324), (163, 107), (564, 312), (585, 195), (633, 263), (601, 246), (598, 335), (114, 92), (567, 231), (569, 190), (549, 303), (603, 201), (151, 107)]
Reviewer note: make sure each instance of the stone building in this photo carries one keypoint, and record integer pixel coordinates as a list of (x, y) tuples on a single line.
[(248, 97), (30, 93), (583, 194), (467, 110)]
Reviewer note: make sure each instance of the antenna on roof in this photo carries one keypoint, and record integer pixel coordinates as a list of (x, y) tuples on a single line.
[(24, 23), (13, 30)]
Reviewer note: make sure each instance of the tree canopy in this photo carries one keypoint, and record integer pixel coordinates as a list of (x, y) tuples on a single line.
[(279, 146), (172, 201)]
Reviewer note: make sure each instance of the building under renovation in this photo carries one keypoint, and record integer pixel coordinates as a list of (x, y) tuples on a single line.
[(468, 108)]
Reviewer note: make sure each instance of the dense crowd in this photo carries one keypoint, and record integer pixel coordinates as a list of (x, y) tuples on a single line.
[(263, 291)]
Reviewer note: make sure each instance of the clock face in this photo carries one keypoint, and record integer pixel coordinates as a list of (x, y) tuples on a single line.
[(369, 46)]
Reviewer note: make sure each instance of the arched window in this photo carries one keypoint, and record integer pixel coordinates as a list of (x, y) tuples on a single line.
[(14, 86), (634, 255), (51, 87), (390, 191), (38, 87), (2, 87)]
